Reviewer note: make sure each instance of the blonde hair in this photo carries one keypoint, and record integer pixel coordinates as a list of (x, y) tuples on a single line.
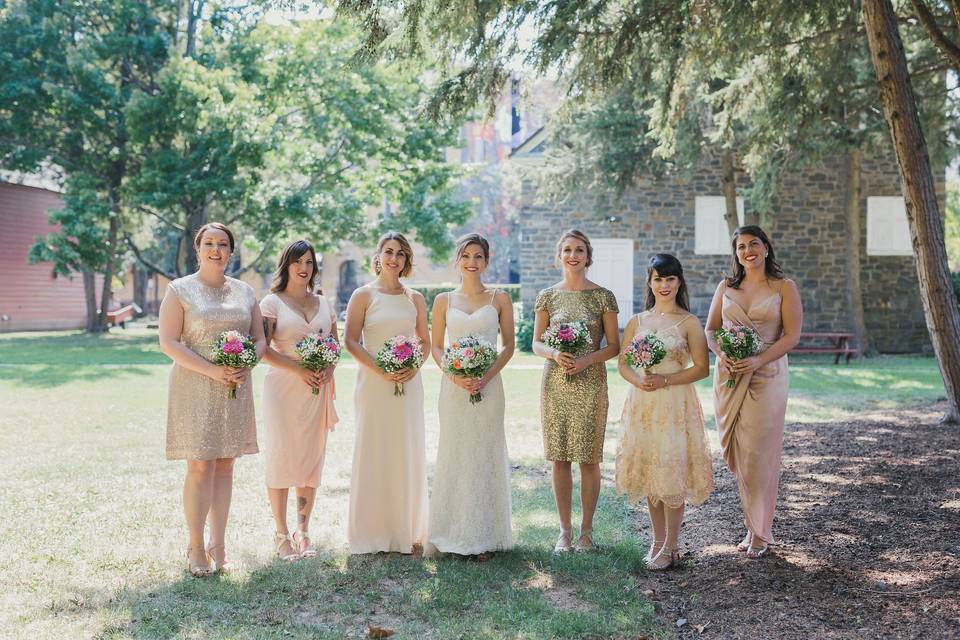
[(404, 246), (465, 241), (576, 234)]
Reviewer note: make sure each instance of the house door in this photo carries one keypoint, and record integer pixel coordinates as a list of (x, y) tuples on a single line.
[(613, 268)]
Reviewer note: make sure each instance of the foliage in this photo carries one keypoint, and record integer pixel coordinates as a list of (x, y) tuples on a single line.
[(525, 335)]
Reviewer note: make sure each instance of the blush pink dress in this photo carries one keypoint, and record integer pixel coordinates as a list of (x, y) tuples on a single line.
[(750, 416), (296, 421)]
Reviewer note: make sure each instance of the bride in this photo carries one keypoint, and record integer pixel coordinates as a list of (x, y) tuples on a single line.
[(470, 503)]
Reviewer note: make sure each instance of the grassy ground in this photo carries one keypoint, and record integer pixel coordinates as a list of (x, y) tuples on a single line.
[(93, 531)]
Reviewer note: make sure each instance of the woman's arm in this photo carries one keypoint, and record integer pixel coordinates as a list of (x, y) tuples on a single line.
[(791, 311), (714, 322), (171, 328), (356, 312), (439, 328), (508, 337), (697, 343), (628, 373), (423, 333)]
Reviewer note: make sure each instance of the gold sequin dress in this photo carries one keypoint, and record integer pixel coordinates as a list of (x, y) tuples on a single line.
[(574, 411), (203, 422), (664, 454)]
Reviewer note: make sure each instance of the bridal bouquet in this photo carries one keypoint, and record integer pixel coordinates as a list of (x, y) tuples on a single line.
[(469, 357), (318, 352), (737, 342), (566, 337), (234, 349), (645, 351), (399, 353)]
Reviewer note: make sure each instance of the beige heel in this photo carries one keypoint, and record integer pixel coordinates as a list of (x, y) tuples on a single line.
[(224, 567), (668, 557), (563, 542), (585, 542), (302, 541), (280, 539), (196, 570)]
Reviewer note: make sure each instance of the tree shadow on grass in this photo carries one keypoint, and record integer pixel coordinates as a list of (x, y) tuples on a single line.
[(527, 592), (78, 349), (48, 376)]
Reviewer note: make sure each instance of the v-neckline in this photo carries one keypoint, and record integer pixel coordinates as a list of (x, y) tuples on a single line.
[(296, 313), (747, 310)]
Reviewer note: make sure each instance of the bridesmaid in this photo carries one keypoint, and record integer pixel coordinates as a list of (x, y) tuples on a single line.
[(296, 420), (388, 488), (663, 455), (573, 396), (205, 426), (470, 504), (750, 415)]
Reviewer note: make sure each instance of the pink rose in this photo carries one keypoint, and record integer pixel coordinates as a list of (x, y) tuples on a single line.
[(468, 352), (403, 351), (233, 346)]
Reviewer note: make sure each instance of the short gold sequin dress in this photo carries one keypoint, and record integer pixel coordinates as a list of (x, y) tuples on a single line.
[(574, 411), (203, 422)]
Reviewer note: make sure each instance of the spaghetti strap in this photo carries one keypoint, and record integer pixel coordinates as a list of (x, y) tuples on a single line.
[(493, 297), (682, 320)]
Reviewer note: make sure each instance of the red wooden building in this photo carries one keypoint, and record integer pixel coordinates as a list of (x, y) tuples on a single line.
[(30, 297)]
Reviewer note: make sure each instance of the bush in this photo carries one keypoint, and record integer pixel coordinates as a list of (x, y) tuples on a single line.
[(525, 335)]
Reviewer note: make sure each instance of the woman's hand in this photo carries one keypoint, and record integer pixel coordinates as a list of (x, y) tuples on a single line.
[(565, 360), (310, 378), (326, 375), (579, 364), (402, 376), (652, 381), (724, 360), (224, 374), (740, 367), (466, 384)]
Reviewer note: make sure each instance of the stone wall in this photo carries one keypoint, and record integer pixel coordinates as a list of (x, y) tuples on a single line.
[(808, 232)]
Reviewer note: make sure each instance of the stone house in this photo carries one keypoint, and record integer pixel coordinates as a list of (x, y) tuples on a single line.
[(684, 216)]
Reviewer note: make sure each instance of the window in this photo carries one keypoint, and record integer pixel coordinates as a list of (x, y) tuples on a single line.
[(888, 233), (711, 235), (613, 268)]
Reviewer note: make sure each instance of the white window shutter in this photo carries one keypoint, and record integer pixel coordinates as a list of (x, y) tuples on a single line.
[(888, 232), (710, 228)]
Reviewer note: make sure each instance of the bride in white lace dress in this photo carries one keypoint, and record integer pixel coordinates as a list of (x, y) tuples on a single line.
[(470, 502)]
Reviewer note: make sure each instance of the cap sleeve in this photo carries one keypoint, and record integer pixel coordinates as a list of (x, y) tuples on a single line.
[(610, 302), (543, 301), (268, 306)]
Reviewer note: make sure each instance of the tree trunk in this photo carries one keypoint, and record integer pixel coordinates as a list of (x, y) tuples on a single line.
[(923, 212), (90, 296), (106, 294), (196, 219), (852, 250), (729, 178), (194, 13), (141, 276)]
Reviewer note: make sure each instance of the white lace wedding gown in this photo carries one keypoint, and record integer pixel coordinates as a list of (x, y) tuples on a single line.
[(470, 502)]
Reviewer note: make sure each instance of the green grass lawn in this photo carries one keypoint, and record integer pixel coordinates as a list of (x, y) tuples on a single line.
[(93, 533)]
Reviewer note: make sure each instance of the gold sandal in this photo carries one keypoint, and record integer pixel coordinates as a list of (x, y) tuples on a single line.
[(280, 539), (302, 541), (196, 570), (745, 543), (563, 542), (224, 567), (668, 557), (585, 542), (755, 553)]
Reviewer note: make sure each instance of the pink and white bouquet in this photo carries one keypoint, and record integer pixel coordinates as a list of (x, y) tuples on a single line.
[(234, 349), (469, 357), (737, 342), (399, 353), (318, 352), (566, 337), (645, 351)]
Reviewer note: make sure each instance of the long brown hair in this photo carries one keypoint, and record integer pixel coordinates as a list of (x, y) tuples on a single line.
[(770, 266), (404, 246), (577, 235), (291, 253)]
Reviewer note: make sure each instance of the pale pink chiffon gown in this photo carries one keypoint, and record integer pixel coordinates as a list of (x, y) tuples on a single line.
[(296, 421), (388, 487), (750, 416)]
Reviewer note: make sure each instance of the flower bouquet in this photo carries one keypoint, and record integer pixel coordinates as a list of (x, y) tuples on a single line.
[(398, 353), (318, 352), (645, 351), (566, 337), (234, 349), (469, 357), (737, 342)]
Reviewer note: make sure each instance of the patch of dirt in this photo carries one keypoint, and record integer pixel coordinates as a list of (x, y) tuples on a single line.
[(868, 529)]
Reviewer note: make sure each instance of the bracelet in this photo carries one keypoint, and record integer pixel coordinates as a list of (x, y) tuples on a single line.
[(666, 380)]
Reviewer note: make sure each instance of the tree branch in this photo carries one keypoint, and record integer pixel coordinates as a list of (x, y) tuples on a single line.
[(161, 218), (266, 247), (929, 22), (955, 8), (149, 265)]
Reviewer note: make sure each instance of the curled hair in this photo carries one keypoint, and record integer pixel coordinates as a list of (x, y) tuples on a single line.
[(465, 241), (770, 266), (290, 254), (404, 246), (197, 239), (664, 264), (576, 234)]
